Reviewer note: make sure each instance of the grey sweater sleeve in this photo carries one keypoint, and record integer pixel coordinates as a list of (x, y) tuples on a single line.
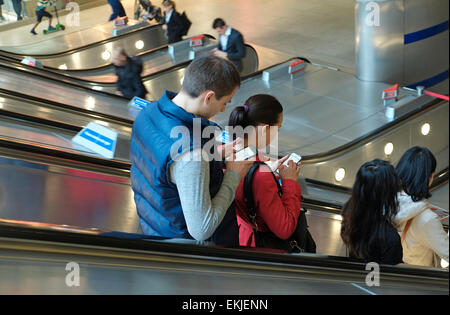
[(203, 215)]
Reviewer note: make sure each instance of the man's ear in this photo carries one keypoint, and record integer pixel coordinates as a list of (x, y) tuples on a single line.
[(209, 97)]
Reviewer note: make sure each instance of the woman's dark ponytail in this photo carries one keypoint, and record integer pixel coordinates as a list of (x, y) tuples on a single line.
[(258, 109), (239, 117)]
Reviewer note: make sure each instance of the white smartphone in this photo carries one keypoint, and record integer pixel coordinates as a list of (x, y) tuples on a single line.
[(293, 157), (245, 154)]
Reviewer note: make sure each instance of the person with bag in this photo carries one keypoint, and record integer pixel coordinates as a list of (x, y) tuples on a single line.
[(368, 228), (423, 235), (173, 22), (180, 188), (271, 217)]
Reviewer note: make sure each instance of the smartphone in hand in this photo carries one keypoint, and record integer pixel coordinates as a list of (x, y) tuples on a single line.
[(293, 157), (245, 154)]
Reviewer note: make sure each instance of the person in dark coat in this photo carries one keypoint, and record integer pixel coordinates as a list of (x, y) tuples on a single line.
[(368, 227), (231, 43), (173, 23), (128, 70)]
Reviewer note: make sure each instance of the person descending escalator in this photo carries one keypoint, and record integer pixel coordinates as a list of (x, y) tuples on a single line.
[(368, 228), (128, 70)]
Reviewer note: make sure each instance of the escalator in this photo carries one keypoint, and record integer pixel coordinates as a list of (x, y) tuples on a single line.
[(57, 87), (43, 182), (93, 55), (45, 140)]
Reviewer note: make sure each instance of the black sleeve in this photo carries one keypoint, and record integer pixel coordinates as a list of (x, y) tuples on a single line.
[(239, 53), (393, 254), (177, 24)]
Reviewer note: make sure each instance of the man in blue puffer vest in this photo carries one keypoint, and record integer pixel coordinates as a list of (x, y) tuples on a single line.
[(178, 193)]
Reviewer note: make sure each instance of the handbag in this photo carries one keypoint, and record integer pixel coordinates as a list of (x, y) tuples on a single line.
[(300, 241)]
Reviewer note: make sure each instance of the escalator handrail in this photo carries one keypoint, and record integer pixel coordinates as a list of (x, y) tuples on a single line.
[(80, 83), (93, 114), (18, 56), (128, 241)]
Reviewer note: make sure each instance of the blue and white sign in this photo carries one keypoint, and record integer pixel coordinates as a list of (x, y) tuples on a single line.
[(32, 62), (139, 102), (97, 138)]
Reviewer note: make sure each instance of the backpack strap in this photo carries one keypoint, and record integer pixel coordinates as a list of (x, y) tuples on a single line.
[(405, 230), (248, 192)]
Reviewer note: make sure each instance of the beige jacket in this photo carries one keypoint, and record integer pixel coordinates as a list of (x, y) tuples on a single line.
[(425, 236)]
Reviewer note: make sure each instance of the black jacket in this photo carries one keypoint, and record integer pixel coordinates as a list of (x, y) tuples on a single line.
[(175, 27), (389, 253), (235, 48), (129, 80)]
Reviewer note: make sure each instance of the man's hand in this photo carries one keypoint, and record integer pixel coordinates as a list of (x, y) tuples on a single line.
[(164, 27), (219, 53), (228, 149), (119, 93)]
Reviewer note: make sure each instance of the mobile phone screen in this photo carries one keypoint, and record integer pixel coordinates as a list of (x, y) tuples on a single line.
[(245, 154)]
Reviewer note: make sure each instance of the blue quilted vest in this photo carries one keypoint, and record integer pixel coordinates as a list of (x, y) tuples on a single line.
[(157, 200)]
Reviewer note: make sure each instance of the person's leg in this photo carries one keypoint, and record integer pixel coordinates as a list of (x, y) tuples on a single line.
[(121, 9), (1, 12), (39, 19), (17, 4), (115, 7)]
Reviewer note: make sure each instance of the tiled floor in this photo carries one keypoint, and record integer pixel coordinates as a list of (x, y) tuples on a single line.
[(319, 30)]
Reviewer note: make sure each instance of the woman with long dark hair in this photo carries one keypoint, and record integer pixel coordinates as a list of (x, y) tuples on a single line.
[(261, 116), (422, 232), (367, 226)]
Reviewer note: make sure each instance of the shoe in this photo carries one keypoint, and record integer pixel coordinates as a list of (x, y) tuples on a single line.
[(19, 18), (51, 28), (33, 32)]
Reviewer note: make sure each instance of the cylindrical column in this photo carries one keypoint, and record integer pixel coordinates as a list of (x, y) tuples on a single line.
[(379, 30)]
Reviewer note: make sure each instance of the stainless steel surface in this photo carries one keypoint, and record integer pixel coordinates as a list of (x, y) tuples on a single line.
[(83, 49), (153, 60), (56, 91), (46, 192), (30, 267), (55, 138), (54, 114), (322, 109), (100, 54), (379, 47), (381, 51)]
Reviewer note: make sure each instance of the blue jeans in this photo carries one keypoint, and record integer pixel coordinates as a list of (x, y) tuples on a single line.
[(118, 10), (17, 4)]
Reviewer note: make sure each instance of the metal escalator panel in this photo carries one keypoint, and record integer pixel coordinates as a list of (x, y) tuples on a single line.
[(98, 54), (155, 267)]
